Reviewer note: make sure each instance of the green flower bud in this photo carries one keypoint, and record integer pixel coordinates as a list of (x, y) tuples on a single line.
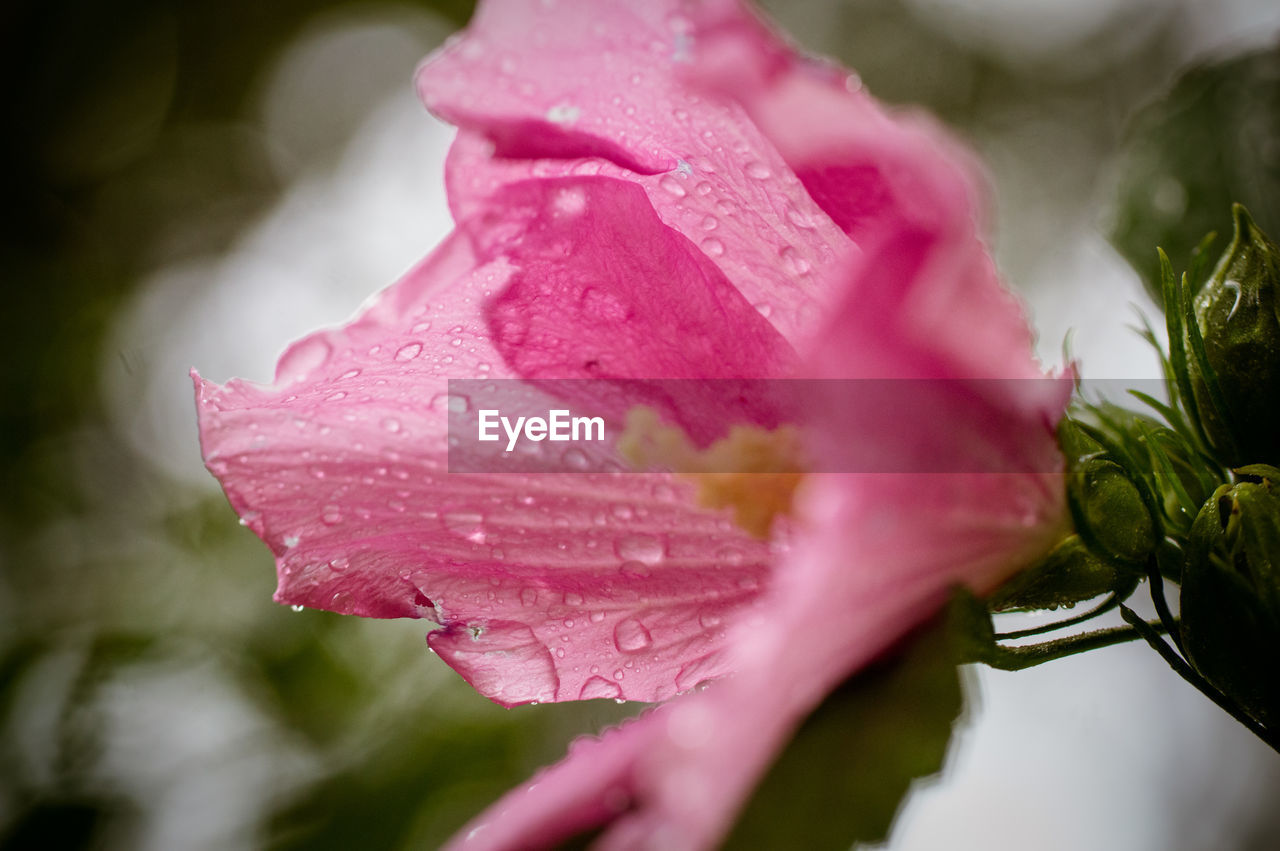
[(1230, 603), (1069, 574), (1238, 311), (1110, 514)]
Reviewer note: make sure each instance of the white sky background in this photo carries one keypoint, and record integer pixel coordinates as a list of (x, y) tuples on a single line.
[(1108, 751)]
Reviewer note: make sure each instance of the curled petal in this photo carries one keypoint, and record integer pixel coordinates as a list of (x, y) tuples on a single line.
[(515, 86)]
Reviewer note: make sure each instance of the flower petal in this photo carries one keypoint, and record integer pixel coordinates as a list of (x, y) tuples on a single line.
[(514, 84), (858, 160), (341, 468)]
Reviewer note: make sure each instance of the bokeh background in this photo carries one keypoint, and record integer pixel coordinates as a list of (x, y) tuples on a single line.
[(198, 183)]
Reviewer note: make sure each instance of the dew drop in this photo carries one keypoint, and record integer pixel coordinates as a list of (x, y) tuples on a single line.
[(391, 424), (297, 607), (712, 247), (597, 687), (291, 541), (631, 636), (304, 358), (528, 597), (758, 170), (710, 223), (647, 549), (672, 186), (332, 515), (793, 262), (408, 352)]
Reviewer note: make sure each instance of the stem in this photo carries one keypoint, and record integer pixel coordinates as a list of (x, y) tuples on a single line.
[(1105, 606), (1185, 671), (1021, 658)]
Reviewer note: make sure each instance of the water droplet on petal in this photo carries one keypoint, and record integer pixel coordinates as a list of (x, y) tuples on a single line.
[(528, 597), (572, 599), (631, 636), (647, 549), (391, 424), (408, 352), (332, 515), (597, 687), (297, 607), (672, 186), (757, 170), (304, 357), (712, 247)]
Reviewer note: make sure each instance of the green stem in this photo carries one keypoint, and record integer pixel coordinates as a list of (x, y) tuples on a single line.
[(1185, 671), (1021, 658)]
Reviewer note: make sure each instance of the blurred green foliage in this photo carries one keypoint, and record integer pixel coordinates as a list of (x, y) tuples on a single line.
[(1212, 141), (847, 770)]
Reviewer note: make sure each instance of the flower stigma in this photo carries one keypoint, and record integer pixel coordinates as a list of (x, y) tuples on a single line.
[(753, 470)]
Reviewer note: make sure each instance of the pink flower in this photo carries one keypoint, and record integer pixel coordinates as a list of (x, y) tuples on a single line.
[(640, 193)]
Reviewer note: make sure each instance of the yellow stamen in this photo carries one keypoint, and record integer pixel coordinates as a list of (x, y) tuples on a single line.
[(753, 470)]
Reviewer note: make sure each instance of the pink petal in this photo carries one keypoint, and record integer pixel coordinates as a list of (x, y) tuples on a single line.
[(600, 288), (516, 86), (550, 587), (857, 160)]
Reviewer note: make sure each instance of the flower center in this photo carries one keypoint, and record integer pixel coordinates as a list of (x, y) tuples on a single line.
[(753, 470)]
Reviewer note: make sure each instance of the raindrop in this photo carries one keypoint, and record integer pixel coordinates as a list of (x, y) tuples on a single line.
[(332, 515), (712, 247), (672, 186), (528, 597), (305, 357), (710, 223), (575, 459), (647, 549), (635, 569), (291, 541), (793, 262), (408, 352), (563, 113), (631, 636), (757, 170), (391, 424), (599, 687), (572, 599)]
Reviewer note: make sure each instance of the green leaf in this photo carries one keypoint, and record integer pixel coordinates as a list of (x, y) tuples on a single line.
[(849, 767), (1193, 153)]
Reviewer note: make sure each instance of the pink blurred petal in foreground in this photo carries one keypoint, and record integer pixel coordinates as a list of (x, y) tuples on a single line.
[(876, 554)]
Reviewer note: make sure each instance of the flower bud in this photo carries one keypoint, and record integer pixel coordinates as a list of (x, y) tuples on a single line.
[(1238, 311), (1230, 603)]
